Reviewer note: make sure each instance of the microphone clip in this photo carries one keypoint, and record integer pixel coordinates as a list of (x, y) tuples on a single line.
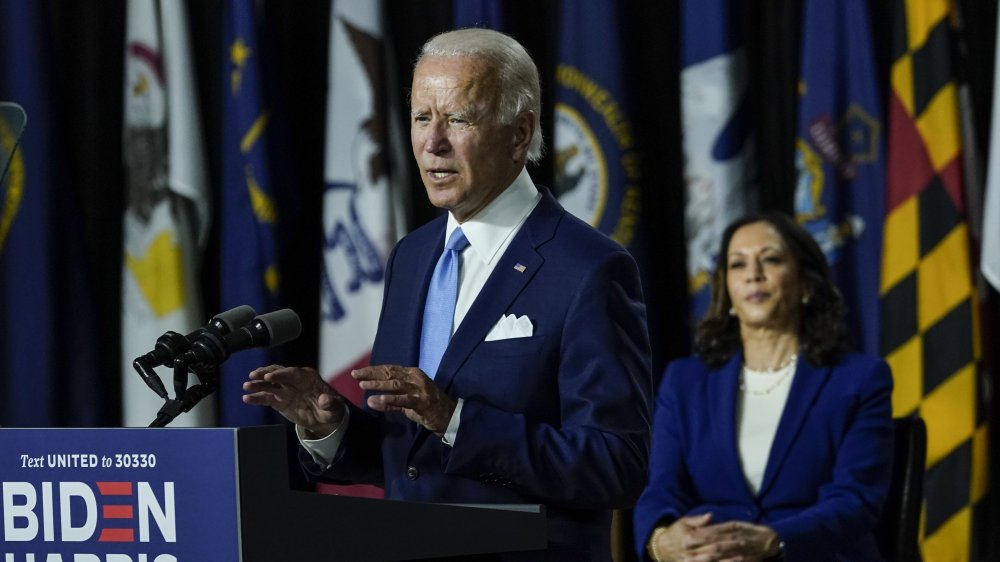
[(186, 398)]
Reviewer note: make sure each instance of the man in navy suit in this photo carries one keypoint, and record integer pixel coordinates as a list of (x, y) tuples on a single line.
[(542, 394)]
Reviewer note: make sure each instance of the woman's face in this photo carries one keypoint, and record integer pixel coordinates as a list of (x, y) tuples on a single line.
[(762, 278)]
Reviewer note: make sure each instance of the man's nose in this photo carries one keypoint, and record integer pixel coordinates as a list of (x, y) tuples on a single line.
[(435, 139)]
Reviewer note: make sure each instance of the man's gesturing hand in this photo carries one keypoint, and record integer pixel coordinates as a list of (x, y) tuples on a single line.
[(297, 393), (407, 390)]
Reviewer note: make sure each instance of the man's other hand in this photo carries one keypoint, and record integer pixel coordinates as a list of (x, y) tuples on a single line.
[(299, 394), (407, 390)]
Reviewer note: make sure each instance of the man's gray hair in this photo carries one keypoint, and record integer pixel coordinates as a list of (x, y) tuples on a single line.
[(520, 88)]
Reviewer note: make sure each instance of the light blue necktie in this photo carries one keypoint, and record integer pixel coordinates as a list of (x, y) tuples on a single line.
[(439, 309)]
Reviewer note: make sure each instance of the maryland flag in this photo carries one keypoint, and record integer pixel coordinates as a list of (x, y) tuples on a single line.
[(929, 331)]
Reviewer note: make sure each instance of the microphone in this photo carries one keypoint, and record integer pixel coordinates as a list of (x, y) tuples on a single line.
[(267, 330), (171, 344)]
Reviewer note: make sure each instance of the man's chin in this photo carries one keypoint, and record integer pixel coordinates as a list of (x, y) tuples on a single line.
[(442, 198)]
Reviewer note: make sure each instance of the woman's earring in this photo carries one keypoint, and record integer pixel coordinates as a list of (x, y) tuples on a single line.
[(805, 300), (732, 311)]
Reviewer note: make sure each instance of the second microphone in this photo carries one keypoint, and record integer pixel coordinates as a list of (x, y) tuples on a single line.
[(266, 330)]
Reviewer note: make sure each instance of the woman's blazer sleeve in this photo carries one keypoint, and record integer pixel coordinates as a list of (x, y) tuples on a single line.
[(669, 492)]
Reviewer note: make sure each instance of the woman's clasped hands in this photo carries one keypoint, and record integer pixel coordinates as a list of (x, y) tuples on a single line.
[(696, 539)]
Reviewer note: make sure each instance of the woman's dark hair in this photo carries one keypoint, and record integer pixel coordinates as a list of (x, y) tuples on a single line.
[(822, 332)]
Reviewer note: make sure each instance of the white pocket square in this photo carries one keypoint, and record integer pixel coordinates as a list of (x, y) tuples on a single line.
[(511, 326)]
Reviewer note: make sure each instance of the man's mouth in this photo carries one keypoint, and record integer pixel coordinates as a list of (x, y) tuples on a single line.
[(440, 174)]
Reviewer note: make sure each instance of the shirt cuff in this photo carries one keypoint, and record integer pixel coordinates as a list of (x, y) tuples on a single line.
[(451, 433), (324, 449)]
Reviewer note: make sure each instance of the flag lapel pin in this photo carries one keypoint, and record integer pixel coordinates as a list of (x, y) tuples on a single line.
[(520, 268)]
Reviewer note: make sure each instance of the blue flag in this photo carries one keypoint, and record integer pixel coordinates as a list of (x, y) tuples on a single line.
[(249, 268), (478, 13), (718, 149), (840, 156), (597, 166), (49, 374)]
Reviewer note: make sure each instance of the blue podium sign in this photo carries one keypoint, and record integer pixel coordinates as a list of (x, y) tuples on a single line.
[(218, 495), (119, 495)]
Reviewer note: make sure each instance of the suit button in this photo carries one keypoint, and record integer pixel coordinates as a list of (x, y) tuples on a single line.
[(412, 473)]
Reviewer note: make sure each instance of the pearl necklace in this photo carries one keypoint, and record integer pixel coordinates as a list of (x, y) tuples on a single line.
[(782, 373)]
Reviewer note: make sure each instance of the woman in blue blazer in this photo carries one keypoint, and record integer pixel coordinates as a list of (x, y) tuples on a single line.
[(774, 442)]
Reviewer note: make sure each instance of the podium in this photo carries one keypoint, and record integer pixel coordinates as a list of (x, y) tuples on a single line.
[(186, 494)]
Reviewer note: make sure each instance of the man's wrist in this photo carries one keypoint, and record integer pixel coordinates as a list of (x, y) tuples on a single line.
[(319, 431), (324, 430)]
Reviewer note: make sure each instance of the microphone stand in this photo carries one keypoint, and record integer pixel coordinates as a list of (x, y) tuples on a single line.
[(187, 398)]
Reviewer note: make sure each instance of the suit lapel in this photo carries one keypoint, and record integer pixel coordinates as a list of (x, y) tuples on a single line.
[(725, 389), (502, 287), (410, 311), (805, 389)]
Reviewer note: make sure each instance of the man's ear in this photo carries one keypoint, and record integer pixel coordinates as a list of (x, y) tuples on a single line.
[(524, 127)]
